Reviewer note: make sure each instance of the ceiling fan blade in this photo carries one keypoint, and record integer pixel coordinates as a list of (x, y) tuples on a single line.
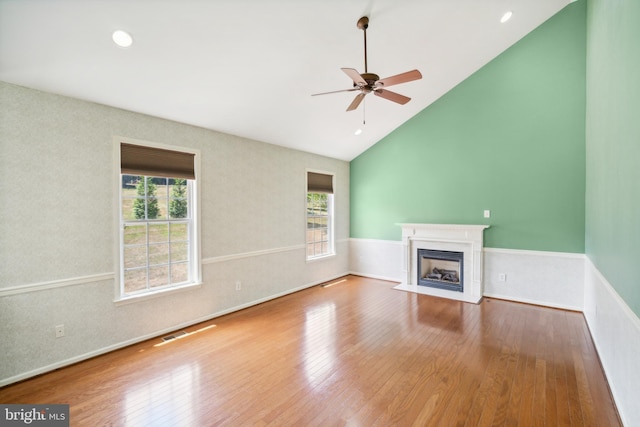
[(336, 91), (409, 76), (356, 101), (355, 76), (392, 96)]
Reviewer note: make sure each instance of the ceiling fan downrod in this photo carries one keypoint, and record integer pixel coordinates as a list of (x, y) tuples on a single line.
[(363, 24)]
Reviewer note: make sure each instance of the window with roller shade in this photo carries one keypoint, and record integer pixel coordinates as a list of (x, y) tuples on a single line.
[(158, 219), (319, 212)]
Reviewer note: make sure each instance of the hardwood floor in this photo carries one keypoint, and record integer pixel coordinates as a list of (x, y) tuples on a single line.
[(356, 353)]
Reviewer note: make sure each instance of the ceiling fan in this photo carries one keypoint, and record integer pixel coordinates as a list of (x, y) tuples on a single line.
[(368, 82)]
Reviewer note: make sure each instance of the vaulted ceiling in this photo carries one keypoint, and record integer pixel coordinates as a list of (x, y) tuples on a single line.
[(249, 67)]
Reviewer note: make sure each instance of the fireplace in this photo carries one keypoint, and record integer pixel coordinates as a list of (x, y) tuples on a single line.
[(440, 241), (441, 269)]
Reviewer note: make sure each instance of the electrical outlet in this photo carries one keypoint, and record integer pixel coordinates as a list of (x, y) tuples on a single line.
[(59, 331), (238, 285), (487, 213), (502, 277)]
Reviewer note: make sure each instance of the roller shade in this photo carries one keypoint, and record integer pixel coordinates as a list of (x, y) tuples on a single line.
[(151, 161), (319, 183)]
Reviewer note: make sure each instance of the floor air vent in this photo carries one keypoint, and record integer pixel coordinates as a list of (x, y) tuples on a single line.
[(174, 336)]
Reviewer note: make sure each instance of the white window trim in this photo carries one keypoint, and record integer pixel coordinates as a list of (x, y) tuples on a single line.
[(196, 267), (128, 299), (332, 237)]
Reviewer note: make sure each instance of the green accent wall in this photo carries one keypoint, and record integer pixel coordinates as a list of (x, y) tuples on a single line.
[(613, 144), (510, 139)]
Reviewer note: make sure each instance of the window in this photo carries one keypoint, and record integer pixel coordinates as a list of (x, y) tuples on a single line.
[(158, 220), (319, 215)]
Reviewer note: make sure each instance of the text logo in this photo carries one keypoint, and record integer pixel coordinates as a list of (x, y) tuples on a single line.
[(34, 415)]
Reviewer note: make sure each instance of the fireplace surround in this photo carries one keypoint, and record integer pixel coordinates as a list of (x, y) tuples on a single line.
[(448, 238)]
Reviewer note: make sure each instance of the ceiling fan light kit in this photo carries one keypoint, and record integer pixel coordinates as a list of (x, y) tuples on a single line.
[(367, 82)]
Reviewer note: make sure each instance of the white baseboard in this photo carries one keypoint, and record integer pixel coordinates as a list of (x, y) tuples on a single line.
[(374, 276), (533, 302)]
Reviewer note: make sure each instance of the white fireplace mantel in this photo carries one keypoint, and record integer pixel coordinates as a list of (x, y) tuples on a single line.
[(467, 239)]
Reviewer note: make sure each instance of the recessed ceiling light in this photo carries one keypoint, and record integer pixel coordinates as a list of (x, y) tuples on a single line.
[(506, 17), (122, 38), (358, 132)]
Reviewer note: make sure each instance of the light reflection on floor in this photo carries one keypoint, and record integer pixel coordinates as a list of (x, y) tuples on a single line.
[(165, 400), (319, 342)]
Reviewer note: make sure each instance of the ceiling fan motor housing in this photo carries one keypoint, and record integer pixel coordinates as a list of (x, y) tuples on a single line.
[(370, 78)]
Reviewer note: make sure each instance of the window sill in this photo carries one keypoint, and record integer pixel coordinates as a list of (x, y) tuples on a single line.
[(321, 257), (156, 294)]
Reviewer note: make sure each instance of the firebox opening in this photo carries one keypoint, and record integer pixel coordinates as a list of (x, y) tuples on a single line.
[(441, 269)]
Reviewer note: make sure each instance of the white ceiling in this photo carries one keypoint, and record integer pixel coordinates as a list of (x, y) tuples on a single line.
[(249, 67)]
